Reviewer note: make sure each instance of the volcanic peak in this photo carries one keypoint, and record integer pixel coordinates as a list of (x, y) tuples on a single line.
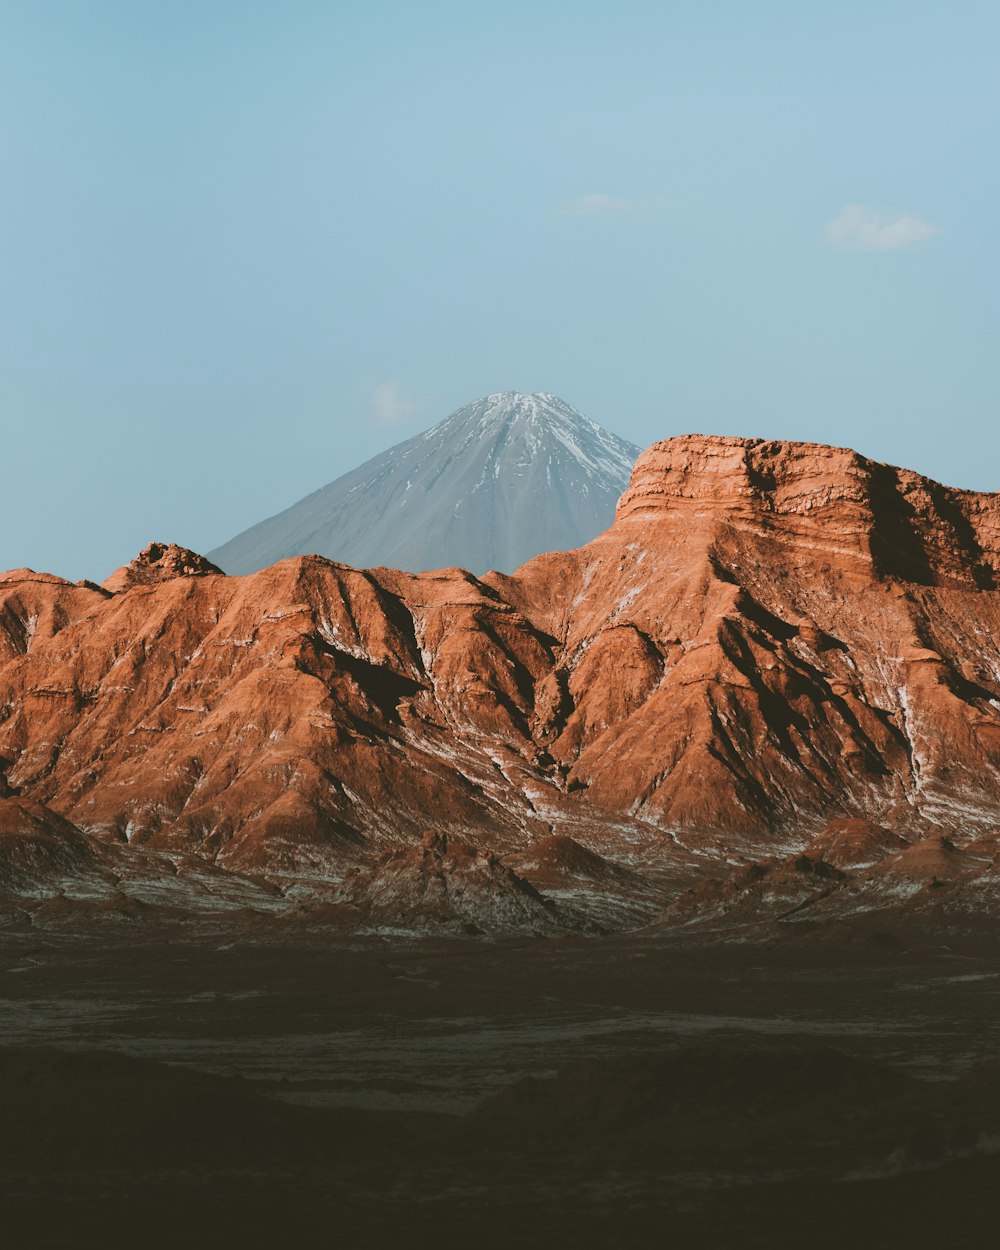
[(490, 486), (510, 417)]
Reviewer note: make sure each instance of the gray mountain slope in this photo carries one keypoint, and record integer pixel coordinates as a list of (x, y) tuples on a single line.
[(497, 482)]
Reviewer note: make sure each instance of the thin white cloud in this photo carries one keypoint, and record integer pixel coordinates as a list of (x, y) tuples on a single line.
[(860, 229), (391, 405), (597, 204)]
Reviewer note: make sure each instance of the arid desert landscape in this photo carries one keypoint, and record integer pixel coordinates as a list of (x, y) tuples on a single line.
[(500, 637), (647, 892)]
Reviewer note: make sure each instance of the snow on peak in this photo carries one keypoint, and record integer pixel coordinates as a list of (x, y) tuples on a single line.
[(538, 421), (490, 486)]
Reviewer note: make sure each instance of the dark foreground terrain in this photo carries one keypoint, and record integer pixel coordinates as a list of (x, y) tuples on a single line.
[(280, 1084)]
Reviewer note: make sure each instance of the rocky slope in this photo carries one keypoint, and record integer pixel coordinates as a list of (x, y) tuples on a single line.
[(494, 484), (447, 884), (771, 637)]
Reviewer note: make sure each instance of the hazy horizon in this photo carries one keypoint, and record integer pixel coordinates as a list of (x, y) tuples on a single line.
[(247, 246)]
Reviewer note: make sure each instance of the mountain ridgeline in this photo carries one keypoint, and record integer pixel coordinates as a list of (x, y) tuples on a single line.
[(496, 483), (769, 691)]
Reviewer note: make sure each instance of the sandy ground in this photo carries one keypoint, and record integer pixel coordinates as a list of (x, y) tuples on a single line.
[(260, 1081)]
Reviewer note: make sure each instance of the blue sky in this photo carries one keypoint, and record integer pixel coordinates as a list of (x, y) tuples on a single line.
[(244, 246)]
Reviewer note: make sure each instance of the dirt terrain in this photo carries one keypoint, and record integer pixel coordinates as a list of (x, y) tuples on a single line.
[(236, 1083)]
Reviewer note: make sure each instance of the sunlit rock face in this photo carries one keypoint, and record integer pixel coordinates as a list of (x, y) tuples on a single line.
[(770, 637)]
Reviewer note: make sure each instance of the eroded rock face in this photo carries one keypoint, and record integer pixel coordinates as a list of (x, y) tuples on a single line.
[(854, 844), (159, 562), (826, 631), (771, 637), (40, 852), (831, 501), (445, 883), (584, 883)]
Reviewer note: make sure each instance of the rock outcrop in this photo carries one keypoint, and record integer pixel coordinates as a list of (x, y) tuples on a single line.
[(447, 884), (42, 854), (157, 563)]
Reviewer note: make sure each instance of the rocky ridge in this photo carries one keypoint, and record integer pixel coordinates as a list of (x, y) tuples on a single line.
[(771, 636)]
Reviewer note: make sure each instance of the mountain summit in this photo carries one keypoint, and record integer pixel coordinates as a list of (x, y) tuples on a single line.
[(496, 483)]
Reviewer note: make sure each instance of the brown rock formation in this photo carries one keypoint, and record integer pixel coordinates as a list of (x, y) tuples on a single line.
[(446, 883), (40, 851), (609, 894), (770, 637), (854, 844), (159, 562), (825, 627)]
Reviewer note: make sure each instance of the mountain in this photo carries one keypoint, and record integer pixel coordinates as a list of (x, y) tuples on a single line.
[(772, 639), (494, 484)]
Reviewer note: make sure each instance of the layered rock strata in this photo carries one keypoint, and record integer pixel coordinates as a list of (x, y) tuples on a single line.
[(771, 636)]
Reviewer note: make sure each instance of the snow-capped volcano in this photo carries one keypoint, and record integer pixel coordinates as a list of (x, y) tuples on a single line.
[(490, 486)]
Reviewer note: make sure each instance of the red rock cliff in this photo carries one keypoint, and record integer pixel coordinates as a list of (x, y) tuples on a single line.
[(771, 635)]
